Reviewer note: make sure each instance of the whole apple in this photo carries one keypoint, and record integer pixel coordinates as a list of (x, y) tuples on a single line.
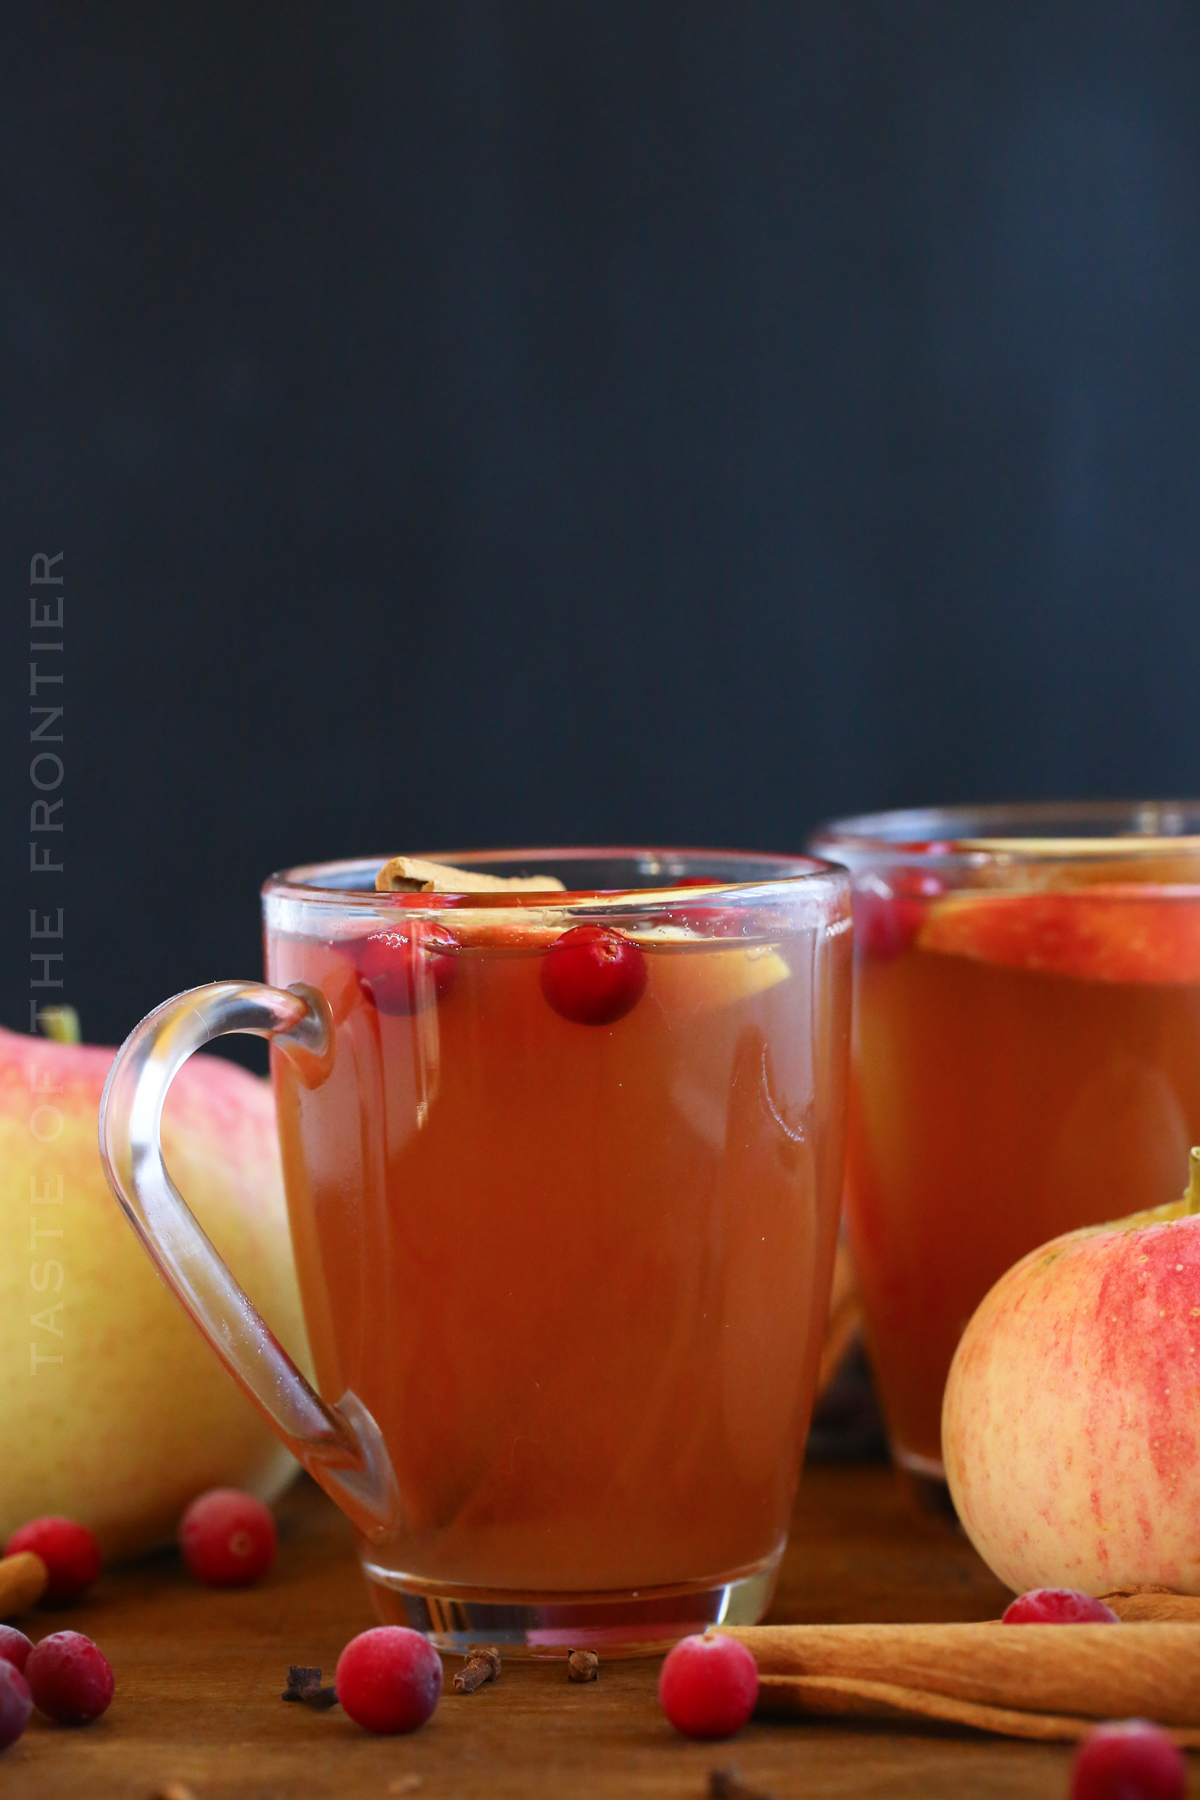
[(1071, 1420), (113, 1410)]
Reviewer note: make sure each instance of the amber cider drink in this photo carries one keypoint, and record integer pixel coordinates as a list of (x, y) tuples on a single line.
[(1026, 1058), (564, 1201)]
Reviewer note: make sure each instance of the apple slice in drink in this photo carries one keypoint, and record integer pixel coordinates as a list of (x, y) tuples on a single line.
[(1123, 932)]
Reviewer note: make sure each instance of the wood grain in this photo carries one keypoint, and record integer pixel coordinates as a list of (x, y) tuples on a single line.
[(199, 1674)]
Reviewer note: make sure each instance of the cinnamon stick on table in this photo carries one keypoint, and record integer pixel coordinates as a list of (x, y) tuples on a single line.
[(1141, 1605), (1047, 1681)]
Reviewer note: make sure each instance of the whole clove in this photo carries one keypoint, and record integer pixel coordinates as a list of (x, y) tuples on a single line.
[(482, 1664), (304, 1687), (583, 1665)]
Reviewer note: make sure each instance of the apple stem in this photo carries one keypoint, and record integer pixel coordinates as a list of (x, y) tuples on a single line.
[(1191, 1199), (61, 1023)]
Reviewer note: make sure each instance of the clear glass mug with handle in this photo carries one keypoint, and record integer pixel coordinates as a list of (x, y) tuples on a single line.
[(563, 1175)]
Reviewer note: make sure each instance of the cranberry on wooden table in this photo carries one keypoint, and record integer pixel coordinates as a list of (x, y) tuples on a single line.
[(69, 1678), (227, 1538), (404, 971), (708, 1686), (1131, 1760), (69, 1551), (14, 1646), (389, 1680), (1058, 1606), (593, 976), (15, 1704)]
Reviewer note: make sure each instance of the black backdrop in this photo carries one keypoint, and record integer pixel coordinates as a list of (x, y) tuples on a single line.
[(583, 419)]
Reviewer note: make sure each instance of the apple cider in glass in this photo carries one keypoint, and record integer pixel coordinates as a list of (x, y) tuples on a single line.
[(564, 1199), (1026, 1058)]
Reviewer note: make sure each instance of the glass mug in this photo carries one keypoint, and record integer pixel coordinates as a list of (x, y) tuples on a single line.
[(565, 1277), (1026, 1057)]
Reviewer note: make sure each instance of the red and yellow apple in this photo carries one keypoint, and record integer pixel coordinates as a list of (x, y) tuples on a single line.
[(1071, 1421), (113, 1409)]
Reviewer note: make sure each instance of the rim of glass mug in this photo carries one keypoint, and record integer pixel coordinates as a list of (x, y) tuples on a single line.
[(1014, 833), (654, 873)]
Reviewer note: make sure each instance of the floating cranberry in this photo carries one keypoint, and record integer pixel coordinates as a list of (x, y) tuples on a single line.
[(69, 1551), (389, 1680), (1132, 1760), (16, 1704), (228, 1538), (69, 1678), (708, 1686), (402, 972), (14, 1646), (593, 976), (1059, 1606), (888, 913)]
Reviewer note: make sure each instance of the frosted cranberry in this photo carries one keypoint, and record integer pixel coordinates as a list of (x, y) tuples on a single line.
[(228, 1538), (593, 976), (402, 972), (69, 1551), (389, 1679), (889, 912), (14, 1646), (1059, 1606), (1132, 1760), (15, 1704), (69, 1678), (708, 1686)]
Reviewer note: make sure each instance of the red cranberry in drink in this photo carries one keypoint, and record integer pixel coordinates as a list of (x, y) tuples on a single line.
[(69, 1678), (402, 972), (15, 1704), (69, 1551), (889, 912), (227, 1538), (14, 1646), (593, 976), (708, 1686), (1132, 1760), (389, 1680), (1059, 1606)]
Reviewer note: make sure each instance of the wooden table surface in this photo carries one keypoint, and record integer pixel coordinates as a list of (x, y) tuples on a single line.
[(199, 1674)]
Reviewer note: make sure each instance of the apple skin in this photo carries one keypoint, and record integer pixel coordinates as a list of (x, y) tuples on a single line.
[(1071, 1420), (140, 1416), (1112, 932)]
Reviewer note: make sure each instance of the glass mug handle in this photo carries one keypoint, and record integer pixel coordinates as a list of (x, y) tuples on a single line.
[(339, 1445)]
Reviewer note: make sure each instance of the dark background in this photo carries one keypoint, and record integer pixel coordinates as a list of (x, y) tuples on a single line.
[(677, 420)]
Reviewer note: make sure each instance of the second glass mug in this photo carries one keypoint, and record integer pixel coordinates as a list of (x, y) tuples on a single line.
[(565, 1280), (1026, 1057)]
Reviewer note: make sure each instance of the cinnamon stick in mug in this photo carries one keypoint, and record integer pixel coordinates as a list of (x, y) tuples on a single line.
[(1093, 1671), (414, 875)]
